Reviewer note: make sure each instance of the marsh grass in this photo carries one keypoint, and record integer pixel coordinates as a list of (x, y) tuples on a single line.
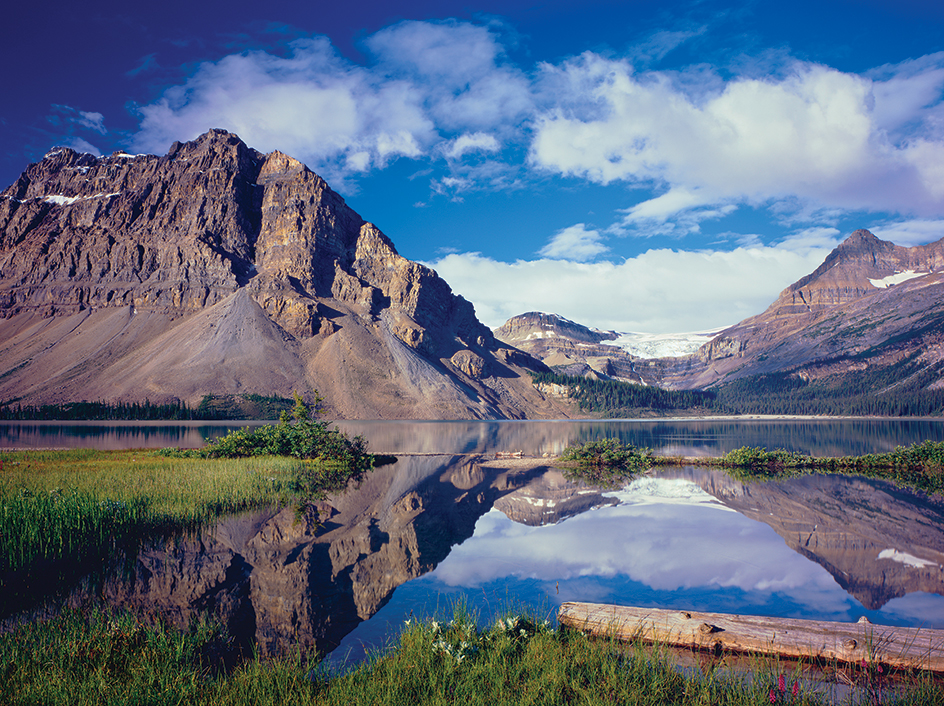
[(106, 658), (66, 513)]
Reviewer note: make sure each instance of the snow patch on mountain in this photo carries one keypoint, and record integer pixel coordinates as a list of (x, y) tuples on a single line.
[(896, 278)]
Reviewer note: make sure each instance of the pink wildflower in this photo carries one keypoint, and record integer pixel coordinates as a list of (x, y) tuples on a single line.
[(772, 696), (796, 688), (781, 683)]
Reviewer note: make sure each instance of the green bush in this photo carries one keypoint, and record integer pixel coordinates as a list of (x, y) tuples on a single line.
[(606, 462), (296, 435)]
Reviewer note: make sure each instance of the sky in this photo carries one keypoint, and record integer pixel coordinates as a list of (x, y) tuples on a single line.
[(637, 165)]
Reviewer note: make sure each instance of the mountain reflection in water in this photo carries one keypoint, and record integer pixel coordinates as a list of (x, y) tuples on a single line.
[(432, 529)]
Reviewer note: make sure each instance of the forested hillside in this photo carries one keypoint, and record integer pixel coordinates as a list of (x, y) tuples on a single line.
[(898, 390)]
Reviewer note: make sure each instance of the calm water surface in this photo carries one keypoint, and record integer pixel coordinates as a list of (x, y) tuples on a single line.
[(430, 531), (676, 437)]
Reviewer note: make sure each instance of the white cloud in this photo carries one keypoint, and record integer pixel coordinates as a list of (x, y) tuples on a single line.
[(471, 142), (780, 134), (460, 67), (910, 233), (80, 145), (812, 134), (663, 542), (659, 291), (429, 80), (93, 121), (311, 104), (679, 211), (574, 243)]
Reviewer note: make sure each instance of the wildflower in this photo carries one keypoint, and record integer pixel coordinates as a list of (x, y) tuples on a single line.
[(781, 683), (796, 688), (772, 696)]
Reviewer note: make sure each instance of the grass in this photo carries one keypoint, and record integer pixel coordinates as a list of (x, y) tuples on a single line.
[(104, 658), (64, 514), (608, 463)]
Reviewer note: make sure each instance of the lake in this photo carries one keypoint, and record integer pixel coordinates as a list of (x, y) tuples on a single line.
[(446, 526)]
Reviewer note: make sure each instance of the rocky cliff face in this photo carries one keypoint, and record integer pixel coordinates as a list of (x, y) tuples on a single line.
[(870, 304), (216, 269)]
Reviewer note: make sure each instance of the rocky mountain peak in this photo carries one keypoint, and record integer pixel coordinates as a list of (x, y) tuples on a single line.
[(849, 272), (173, 238)]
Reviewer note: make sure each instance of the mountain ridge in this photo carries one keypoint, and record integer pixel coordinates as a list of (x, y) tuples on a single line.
[(218, 269), (871, 308)]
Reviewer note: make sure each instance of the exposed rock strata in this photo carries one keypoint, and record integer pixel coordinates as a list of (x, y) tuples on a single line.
[(218, 269), (847, 313), (568, 347)]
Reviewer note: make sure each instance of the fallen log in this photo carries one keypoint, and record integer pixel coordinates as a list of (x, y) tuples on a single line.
[(909, 648)]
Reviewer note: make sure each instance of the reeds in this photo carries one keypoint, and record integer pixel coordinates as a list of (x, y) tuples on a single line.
[(64, 514)]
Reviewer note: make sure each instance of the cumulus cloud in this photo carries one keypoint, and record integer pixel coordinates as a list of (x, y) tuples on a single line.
[(812, 134), (431, 85), (911, 232), (667, 543), (798, 138), (574, 243), (659, 291)]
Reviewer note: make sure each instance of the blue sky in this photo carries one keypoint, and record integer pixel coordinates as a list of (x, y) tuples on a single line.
[(644, 166)]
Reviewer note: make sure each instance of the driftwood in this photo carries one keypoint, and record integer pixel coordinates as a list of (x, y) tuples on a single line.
[(910, 648)]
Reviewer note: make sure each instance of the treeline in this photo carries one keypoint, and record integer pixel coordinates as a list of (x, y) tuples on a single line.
[(612, 398), (211, 407), (899, 390)]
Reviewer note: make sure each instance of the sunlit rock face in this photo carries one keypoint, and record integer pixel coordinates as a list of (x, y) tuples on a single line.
[(567, 346), (216, 269), (879, 542)]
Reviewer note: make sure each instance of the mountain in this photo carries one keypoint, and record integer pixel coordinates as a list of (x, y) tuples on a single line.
[(567, 346), (216, 269), (870, 305), (877, 540), (868, 321), (574, 349)]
